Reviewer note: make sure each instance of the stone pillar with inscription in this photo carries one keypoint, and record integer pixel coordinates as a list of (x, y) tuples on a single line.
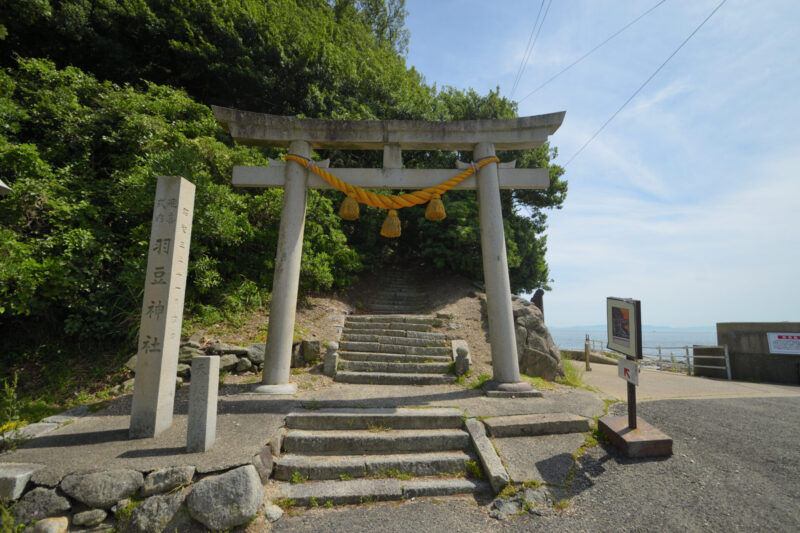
[(162, 308)]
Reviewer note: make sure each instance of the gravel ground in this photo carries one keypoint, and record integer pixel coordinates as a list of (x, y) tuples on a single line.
[(736, 467)]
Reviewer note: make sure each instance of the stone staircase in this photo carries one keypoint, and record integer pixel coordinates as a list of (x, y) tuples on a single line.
[(399, 293), (394, 350), (346, 456)]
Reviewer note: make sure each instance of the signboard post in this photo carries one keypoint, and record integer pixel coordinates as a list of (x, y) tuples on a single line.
[(638, 439)]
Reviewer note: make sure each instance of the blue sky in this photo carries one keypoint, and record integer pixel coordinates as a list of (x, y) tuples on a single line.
[(690, 199)]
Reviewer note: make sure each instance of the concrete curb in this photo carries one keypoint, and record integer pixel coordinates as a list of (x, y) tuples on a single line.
[(492, 466)]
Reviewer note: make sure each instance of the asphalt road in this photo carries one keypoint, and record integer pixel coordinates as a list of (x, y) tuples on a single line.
[(736, 467)]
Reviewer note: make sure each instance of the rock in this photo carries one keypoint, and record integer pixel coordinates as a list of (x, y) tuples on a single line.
[(538, 496), (166, 479), (40, 503), (14, 478), (297, 355), (264, 464), (227, 361), (184, 371), (331, 361), (153, 514), (255, 352), (187, 352), (192, 344), (462, 360), (538, 354), (178, 381), (102, 489), (197, 336), (227, 500), (507, 507), (89, 518), (243, 365), (272, 512), (312, 350), (122, 504), (225, 348), (49, 525), (131, 364)]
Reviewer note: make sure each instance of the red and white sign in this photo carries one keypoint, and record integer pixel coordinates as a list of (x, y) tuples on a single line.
[(628, 370), (788, 343)]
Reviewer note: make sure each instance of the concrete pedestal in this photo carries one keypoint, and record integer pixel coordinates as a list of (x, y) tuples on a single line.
[(203, 392), (644, 441)]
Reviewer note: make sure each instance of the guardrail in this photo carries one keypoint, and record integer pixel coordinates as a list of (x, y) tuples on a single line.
[(657, 355)]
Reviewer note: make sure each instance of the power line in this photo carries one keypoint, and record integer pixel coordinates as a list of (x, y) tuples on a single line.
[(530, 51), (590, 52), (645, 83), (527, 47)]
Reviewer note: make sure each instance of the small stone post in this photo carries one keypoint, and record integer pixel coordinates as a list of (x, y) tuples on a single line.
[(331, 361), (162, 308), (202, 426), (280, 332), (587, 352)]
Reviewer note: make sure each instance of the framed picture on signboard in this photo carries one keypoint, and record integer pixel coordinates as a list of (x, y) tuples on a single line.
[(624, 319)]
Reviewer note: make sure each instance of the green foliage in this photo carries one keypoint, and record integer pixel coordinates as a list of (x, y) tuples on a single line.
[(297, 477), (474, 470), (82, 157), (574, 375)]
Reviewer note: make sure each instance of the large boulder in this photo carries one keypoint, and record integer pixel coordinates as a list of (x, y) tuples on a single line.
[(102, 489), (41, 503), (538, 354), (155, 513), (227, 500)]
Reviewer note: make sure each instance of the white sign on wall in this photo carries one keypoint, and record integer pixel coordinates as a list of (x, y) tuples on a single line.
[(787, 343)]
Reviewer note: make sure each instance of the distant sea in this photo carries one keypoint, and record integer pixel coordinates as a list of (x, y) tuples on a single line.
[(572, 338)]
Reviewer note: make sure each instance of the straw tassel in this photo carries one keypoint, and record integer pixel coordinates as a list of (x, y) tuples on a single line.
[(391, 226), (435, 209), (349, 209)]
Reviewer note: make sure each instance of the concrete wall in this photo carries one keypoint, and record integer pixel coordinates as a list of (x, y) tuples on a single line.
[(749, 351), (715, 351)]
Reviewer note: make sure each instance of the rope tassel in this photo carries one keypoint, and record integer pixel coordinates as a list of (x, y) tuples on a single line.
[(391, 226), (349, 209), (435, 209)]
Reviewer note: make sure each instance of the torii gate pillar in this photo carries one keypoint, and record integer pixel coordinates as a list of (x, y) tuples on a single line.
[(280, 331), (505, 364)]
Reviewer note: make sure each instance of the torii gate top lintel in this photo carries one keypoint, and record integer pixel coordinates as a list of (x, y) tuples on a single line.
[(275, 130)]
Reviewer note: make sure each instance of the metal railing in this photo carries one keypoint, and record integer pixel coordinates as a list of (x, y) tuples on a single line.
[(657, 355)]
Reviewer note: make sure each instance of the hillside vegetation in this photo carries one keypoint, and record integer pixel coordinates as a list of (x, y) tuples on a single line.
[(98, 99)]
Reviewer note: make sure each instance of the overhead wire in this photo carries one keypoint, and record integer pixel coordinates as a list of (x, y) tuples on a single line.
[(642, 86), (527, 46), (590, 52), (524, 64)]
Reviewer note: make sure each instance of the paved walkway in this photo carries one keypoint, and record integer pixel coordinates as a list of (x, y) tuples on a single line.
[(664, 385)]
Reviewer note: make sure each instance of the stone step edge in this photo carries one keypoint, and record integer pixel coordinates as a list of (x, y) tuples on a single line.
[(537, 424), (358, 491), (343, 467), (396, 340), (392, 441), (397, 418), (396, 368), (379, 357), (407, 333), (387, 378)]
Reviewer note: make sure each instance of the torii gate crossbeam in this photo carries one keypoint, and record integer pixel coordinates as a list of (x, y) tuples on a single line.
[(482, 137)]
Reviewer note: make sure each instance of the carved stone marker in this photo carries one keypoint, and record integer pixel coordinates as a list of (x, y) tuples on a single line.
[(202, 426), (162, 308)]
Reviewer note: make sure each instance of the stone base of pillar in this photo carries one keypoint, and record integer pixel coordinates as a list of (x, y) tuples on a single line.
[(284, 388), (520, 389)]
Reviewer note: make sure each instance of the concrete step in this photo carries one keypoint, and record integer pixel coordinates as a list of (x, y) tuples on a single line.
[(349, 346), (395, 418), (386, 378), (394, 333), (397, 318), (381, 308), (387, 325), (357, 491), (374, 441), (317, 467), (532, 425), (393, 357), (395, 368), (399, 341)]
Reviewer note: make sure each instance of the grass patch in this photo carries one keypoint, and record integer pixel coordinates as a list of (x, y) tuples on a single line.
[(377, 428), (561, 505), (124, 514), (393, 473), (344, 477), (297, 477), (285, 503), (509, 491), (329, 503), (297, 371), (462, 379), (574, 376), (539, 383), (474, 470), (531, 484), (478, 382)]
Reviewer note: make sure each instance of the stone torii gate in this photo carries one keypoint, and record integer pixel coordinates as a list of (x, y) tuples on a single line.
[(482, 137)]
